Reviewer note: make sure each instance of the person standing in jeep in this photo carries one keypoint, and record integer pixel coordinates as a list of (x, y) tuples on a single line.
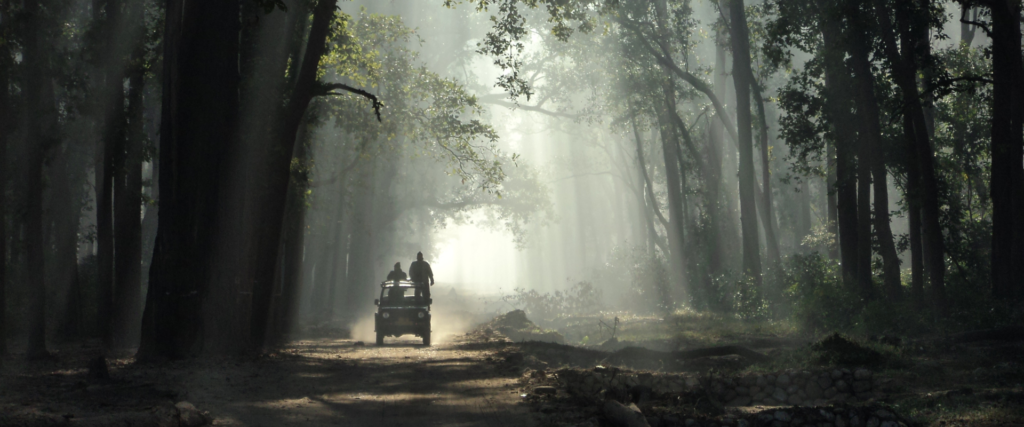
[(421, 274)]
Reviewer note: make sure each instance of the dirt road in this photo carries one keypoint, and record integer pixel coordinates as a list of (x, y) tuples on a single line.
[(324, 382), (334, 382)]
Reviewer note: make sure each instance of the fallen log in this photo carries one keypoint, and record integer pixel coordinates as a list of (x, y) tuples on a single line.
[(624, 416)]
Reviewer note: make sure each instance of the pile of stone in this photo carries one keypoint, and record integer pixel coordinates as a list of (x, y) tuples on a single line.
[(803, 387)]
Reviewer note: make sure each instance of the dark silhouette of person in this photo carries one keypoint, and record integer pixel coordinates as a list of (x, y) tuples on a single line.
[(396, 294), (397, 274), (421, 274)]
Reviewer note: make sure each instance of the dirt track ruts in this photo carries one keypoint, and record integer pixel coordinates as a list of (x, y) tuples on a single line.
[(334, 382)]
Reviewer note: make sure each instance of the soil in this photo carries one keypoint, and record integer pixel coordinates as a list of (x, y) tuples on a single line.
[(310, 383), (483, 378)]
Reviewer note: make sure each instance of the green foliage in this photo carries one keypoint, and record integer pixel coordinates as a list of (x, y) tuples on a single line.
[(580, 299), (749, 301), (840, 350), (821, 302)]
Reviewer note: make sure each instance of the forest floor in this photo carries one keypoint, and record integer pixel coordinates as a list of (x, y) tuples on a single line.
[(321, 382), (481, 378)]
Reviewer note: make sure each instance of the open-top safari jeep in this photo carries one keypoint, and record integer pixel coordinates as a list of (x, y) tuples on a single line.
[(400, 312)]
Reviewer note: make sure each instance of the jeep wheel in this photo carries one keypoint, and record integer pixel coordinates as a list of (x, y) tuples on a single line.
[(426, 338), (380, 338)]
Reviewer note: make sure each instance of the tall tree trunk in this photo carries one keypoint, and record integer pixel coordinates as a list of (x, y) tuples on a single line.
[(905, 71), (127, 217), (742, 77), (107, 15), (651, 207), (864, 166), (721, 225), (278, 169), (862, 81), (831, 202), (871, 153), (5, 111), (199, 120), (294, 230), (670, 153), (767, 211), (340, 252), (841, 117), (63, 211), (913, 197), (38, 96), (1007, 181), (803, 226)]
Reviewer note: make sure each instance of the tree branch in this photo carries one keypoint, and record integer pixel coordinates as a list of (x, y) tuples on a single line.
[(324, 89), (512, 106), (664, 59)]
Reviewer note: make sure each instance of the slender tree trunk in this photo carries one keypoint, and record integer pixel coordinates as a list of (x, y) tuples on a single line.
[(128, 219), (863, 81), (837, 99), (104, 240), (670, 153), (1007, 181), (293, 240), (38, 96), (651, 208), (871, 153), (721, 224), (912, 194), (741, 74), (864, 216), (905, 71), (767, 211), (62, 211), (832, 205), (5, 111), (111, 104), (340, 251), (803, 226)]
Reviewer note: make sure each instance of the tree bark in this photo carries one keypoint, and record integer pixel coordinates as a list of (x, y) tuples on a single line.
[(831, 202), (199, 120), (742, 77), (670, 154), (1007, 179), (912, 194), (767, 209), (39, 98), (127, 216), (278, 169), (339, 259), (872, 154), (905, 69), (841, 117), (651, 208), (62, 211), (723, 227), (5, 111), (803, 226)]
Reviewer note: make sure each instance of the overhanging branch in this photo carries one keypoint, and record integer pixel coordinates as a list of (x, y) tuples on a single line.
[(527, 108), (325, 89)]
